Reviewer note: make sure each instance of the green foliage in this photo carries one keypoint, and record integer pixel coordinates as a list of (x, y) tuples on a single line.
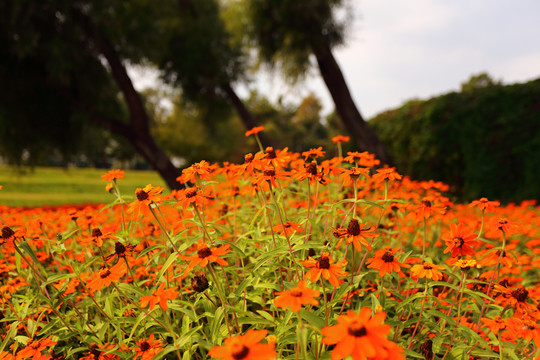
[(483, 141), (285, 31)]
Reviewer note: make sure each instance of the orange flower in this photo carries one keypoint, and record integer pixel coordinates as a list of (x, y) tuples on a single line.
[(325, 266), (385, 261), (484, 204), (34, 348), (361, 336), (387, 174), (106, 276), (277, 158), (287, 228), (270, 174), (340, 138), (159, 295), (195, 172), (362, 159), (460, 242), (428, 207), (495, 324), (350, 176), (296, 297), (244, 347), (427, 270), (192, 195), (357, 234), (145, 197), (255, 130), (318, 152), (311, 172), (113, 175), (148, 348), (206, 255)]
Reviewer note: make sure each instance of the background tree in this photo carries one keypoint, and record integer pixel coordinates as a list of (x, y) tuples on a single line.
[(287, 33), (482, 141), (68, 60)]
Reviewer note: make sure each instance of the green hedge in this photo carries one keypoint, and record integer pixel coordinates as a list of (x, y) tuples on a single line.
[(483, 141)]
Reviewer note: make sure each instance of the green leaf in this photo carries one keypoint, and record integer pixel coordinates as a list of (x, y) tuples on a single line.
[(167, 264), (312, 319)]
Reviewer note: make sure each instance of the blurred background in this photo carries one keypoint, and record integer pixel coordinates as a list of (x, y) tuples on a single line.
[(448, 91)]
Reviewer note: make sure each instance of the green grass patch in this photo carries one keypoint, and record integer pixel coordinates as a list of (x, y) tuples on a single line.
[(57, 186)]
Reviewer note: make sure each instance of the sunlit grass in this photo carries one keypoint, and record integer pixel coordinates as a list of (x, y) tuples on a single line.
[(55, 186)]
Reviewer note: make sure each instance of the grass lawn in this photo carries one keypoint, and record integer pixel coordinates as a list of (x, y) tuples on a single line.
[(56, 186)]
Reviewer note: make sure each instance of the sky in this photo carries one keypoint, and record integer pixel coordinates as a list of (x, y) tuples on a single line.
[(399, 50)]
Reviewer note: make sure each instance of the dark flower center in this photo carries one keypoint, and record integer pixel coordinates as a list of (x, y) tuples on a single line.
[(105, 274), (145, 346), (204, 252), (520, 294), (427, 349), (241, 353), (199, 283), (427, 267), (119, 248), (96, 233), (191, 192), (458, 241), (142, 195), (269, 172), (270, 153), (7, 232), (356, 329), (311, 168), (426, 203), (248, 158), (323, 262), (388, 257), (353, 228), (296, 293)]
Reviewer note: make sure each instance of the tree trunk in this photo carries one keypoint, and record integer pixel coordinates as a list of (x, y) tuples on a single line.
[(138, 130), (245, 114), (362, 134)]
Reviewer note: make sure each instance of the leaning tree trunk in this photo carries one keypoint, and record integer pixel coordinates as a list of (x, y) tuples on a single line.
[(245, 114), (362, 134), (137, 132)]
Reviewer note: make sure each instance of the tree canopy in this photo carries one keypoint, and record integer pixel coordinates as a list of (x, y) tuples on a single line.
[(482, 141)]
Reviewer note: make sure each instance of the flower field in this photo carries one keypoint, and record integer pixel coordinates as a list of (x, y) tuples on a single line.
[(286, 256)]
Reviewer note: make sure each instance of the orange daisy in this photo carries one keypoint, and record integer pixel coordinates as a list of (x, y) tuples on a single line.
[(147, 348), (357, 234), (296, 297), (325, 266), (427, 270), (145, 197), (385, 261), (340, 138), (106, 276), (484, 204), (460, 242), (244, 347), (255, 130), (113, 175), (192, 195), (361, 336), (34, 348), (159, 295), (206, 255), (287, 228)]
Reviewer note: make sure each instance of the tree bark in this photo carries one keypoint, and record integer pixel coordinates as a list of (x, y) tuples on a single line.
[(362, 134), (245, 114)]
